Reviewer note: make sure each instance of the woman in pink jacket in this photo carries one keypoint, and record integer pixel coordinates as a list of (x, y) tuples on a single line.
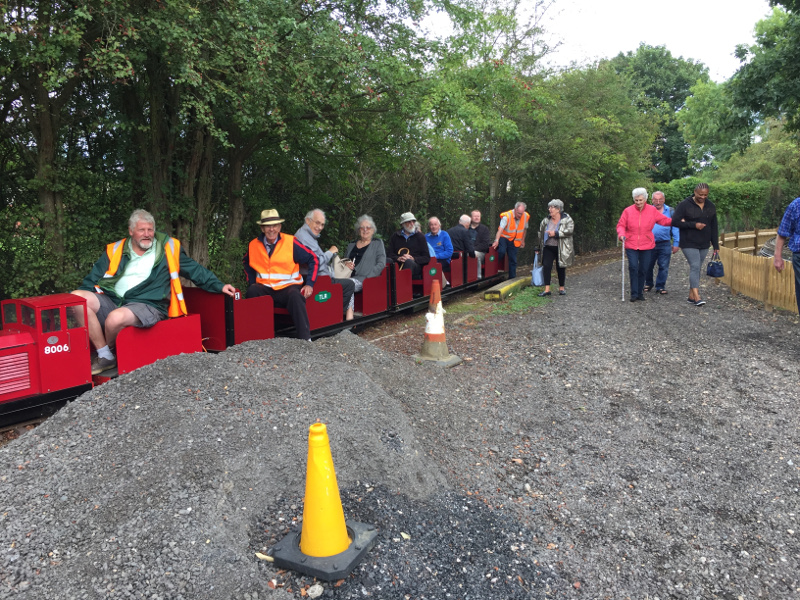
[(635, 228)]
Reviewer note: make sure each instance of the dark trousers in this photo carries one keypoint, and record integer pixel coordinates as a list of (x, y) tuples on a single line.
[(504, 247), (550, 256), (638, 261), (414, 267), (348, 289), (292, 300), (662, 254)]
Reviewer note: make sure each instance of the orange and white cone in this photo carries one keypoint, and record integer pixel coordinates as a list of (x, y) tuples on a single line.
[(434, 348)]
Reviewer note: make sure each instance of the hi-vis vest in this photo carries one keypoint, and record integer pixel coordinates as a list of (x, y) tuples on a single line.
[(513, 231), (172, 249), (279, 270)]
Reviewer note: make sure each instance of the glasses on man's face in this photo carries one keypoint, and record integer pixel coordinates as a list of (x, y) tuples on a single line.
[(319, 223), (365, 228)]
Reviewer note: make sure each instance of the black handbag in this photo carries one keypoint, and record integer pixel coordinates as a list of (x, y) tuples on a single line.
[(715, 268)]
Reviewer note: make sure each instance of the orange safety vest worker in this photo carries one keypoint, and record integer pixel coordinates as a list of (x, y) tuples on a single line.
[(279, 270), (514, 230), (172, 249)]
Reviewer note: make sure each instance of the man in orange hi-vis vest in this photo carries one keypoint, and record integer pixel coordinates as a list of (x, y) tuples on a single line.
[(272, 265), (511, 235), (136, 282)]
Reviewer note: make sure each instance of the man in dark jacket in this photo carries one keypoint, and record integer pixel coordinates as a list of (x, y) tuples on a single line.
[(481, 238), (462, 242), (408, 247), (136, 283)]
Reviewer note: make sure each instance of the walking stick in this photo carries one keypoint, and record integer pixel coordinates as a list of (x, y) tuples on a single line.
[(623, 269)]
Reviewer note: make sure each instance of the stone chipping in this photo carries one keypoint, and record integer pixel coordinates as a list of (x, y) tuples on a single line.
[(588, 448)]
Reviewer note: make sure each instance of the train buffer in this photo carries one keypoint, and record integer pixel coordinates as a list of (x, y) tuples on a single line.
[(504, 289)]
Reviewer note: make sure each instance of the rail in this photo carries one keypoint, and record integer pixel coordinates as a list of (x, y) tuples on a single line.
[(755, 276)]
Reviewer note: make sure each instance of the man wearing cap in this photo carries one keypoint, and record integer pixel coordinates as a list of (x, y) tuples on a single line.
[(511, 235), (136, 282), (308, 235), (272, 265), (408, 247)]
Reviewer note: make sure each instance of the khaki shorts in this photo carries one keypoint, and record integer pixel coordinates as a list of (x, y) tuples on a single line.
[(146, 315)]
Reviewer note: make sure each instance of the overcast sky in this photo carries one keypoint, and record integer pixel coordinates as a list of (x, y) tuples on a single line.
[(704, 30)]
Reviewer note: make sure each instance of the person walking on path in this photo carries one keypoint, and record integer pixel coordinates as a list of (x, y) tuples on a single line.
[(555, 243), (635, 228), (667, 239), (790, 230), (696, 217), (511, 235)]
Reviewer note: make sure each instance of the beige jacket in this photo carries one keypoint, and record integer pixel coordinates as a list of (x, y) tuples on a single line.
[(566, 249)]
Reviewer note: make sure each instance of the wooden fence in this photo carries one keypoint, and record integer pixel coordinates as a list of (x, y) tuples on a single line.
[(755, 276)]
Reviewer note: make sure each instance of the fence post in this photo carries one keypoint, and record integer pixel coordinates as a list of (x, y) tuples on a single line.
[(767, 275), (756, 246), (736, 241)]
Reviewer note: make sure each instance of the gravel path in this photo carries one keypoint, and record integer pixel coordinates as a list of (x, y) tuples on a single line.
[(588, 448)]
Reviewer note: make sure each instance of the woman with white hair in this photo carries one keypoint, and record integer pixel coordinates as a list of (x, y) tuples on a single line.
[(635, 228), (555, 243)]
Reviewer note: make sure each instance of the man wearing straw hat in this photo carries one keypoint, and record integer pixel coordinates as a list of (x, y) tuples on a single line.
[(272, 265)]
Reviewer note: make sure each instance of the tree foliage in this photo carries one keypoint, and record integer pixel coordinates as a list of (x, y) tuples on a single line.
[(663, 83), (768, 82)]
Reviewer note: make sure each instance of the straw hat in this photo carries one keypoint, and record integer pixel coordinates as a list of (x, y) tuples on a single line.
[(270, 217)]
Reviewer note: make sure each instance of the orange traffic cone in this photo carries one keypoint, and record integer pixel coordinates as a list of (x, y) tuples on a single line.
[(434, 348), (327, 548)]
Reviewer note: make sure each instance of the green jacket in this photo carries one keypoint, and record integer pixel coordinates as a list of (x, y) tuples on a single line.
[(155, 290)]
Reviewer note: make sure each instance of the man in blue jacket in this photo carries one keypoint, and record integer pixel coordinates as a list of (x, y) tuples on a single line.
[(667, 239)]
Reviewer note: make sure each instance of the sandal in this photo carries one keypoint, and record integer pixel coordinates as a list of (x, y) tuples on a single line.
[(647, 288), (662, 292)]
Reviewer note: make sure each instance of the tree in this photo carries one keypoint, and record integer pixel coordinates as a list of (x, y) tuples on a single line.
[(768, 82), (663, 83), (712, 125)]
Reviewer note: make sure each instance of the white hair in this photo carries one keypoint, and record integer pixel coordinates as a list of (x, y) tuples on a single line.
[(464, 220), (522, 204), (555, 202), (140, 214), (310, 214), (639, 192)]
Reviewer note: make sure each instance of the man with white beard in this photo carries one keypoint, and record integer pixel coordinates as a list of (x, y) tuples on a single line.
[(136, 282), (408, 247)]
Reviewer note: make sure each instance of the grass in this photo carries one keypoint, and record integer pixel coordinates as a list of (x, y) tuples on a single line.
[(527, 299)]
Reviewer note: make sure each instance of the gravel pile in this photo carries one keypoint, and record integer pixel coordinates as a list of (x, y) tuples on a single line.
[(589, 448)]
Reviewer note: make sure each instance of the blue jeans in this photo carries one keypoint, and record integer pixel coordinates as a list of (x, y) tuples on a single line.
[(506, 247), (796, 267), (661, 255), (638, 261)]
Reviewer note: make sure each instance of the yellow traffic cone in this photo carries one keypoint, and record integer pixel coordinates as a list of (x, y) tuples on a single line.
[(324, 530), (327, 547), (434, 347)]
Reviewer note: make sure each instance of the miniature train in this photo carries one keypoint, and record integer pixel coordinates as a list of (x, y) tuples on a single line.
[(45, 353)]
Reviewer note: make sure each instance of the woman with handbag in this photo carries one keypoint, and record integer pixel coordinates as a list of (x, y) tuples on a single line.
[(366, 256), (696, 217), (555, 244)]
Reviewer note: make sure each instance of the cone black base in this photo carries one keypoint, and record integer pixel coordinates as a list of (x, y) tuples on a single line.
[(287, 554)]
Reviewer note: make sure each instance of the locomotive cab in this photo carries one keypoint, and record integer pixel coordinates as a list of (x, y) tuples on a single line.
[(44, 354)]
